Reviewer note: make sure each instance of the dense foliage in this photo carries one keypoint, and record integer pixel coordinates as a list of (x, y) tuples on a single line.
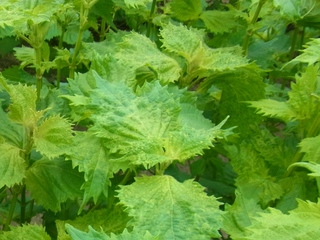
[(159, 119)]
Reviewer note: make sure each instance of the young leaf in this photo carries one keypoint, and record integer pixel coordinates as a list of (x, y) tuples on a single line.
[(53, 137), (12, 165), (52, 182), (301, 223), (162, 205), (27, 232), (22, 110)]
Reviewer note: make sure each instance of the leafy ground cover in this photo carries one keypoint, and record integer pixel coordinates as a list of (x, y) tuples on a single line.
[(158, 119)]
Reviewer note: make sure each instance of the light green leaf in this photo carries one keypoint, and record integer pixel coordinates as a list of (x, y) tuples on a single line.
[(138, 47), (313, 167), (289, 8), (53, 137), (310, 55), (95, 235), (10, 131), (111, 220), (181, 40), (52, 182), (219, 21), (26, 232), (311, 146), (186, 10), (22, 110), (301, 223), (253, 174), (162, 205), (12, 165), (273, 108), (302, 104), (91, 155)]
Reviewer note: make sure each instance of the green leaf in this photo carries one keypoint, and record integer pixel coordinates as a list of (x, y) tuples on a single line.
[(12, 165), (302, 104), (311, 146), (309, 55), (301, 223), (186, 10), (313, 167), (53, 137), (182, 40), (91, 155), (289, 8), (10, 131), (111, 220), (95, 235), (25, 232), (161, 205), (219, 21), (22, 110), (52, 182)]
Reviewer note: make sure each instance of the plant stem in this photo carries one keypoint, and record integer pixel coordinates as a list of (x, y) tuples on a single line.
[(126, 178), (11, 211), (249, 33), (63, 30), (23, 205), (153, 7), (294, 42), (102, 30), (38, 71)]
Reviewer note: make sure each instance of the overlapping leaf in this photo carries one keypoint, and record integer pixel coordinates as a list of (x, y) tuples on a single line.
[(53, 137), (301, 223), (53, 182), (95, 235), (311, 146), (301, 104), (186, 10), (26, 232), (90, 154), (12, 165), (162, 205)]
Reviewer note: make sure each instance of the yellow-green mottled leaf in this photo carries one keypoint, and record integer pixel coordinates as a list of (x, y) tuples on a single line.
[(26, 232), (53, 137), (12, 165), (301, 223), (52, 182), (174, 210)]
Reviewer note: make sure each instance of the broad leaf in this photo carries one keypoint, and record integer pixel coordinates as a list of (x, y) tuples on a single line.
[(313, 167), (22, 110), (186, 10), (301, 223), (311, 146), (161, 205), (289, 8), (219, 21), (53, 137), (302, 104), (112, 220), (12, 165), (90, 154), (95, 235), (52, 182), (26, 232), (10, 131), (309, 55)]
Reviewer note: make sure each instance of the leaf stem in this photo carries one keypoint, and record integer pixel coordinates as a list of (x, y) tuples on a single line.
[(294, 42), (249, 33), (23, 205)]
